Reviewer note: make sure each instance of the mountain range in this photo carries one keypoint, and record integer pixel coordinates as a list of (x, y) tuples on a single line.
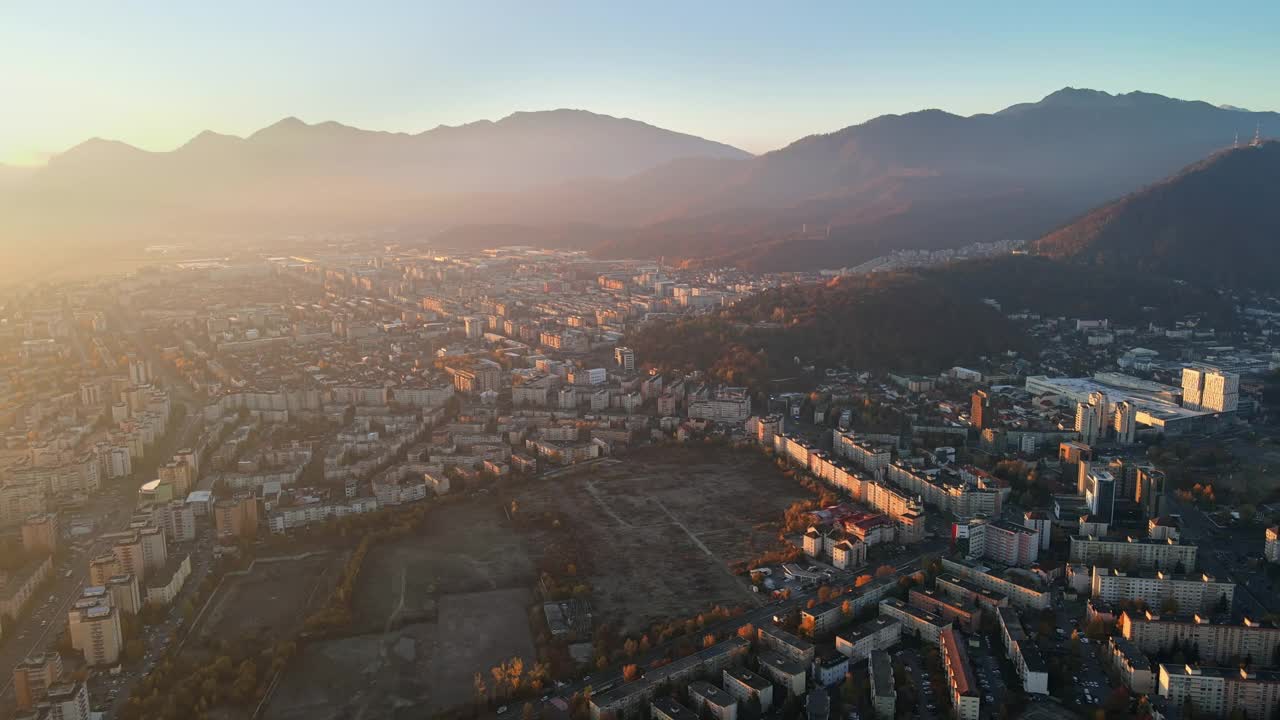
[(622, 188)]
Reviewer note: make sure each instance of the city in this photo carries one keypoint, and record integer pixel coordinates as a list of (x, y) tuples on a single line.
[(444, 481), (594, 361)]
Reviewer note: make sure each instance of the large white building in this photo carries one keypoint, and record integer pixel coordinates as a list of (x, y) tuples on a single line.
[(1210, 389)]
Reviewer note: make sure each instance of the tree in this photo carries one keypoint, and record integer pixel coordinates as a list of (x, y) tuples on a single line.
[(480, 689), (885, 571), (630, 673), (861, 580), (708, 640), (846, 608)]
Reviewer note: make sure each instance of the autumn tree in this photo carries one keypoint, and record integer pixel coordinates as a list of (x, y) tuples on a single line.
[(630, 673)]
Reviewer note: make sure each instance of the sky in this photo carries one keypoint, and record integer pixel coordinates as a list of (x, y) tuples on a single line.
[(753, 74)]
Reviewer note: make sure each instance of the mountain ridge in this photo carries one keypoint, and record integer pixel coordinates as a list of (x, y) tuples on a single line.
[(1212, 223)]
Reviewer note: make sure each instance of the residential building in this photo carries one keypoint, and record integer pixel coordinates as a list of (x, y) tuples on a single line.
[(783, 671), (705, 697), (915, 621), (666, 708), (933, 601), (177, 519), (884, 696), (33, 677), (18, 587), (1218, 643), (236, 518), (1018, 591), (164, 584), (830, 668), (745, 685), (961, 686), (1023, 653), (980, 409), (95, 631), (785, 644), (879, 633), (1168, 554), (1131, 664), (1042, 524), (1272, 549), (67, 701), (1199, 593), (124, 593), (1004, 542), (40, 534), (1221, 691), (822, 618)]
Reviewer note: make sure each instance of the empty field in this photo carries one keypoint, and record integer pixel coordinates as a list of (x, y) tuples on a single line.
[(272, 599), (464, 548), (431, 610), (659, 529)]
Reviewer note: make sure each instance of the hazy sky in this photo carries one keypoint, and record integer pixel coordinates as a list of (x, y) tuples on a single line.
[(752, 74)]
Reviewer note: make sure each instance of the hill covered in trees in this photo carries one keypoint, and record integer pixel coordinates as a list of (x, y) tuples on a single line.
[(1216, 223), (921, 321)]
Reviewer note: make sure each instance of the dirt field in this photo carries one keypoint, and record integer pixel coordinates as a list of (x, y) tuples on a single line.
[(433, 609), (468, 548), (274, 598), (662, 528)]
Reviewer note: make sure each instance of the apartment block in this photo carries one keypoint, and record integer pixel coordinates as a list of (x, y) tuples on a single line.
[(1132, 665), (1023, 653), (1003, 542), (1149, 553), (95, 631), (884, 696), (961, 686), (745, 685), (786, 644), (707, 698), (40, 534), (860, 642), (1200, 593), (1220, 691), (236, 518), (783, 671), (915, 621), (1019, 594), (1218, 643), (965, 618), (33, 677), (666, 708)]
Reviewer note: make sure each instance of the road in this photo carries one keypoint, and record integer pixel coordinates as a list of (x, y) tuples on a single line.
[(37, 631)]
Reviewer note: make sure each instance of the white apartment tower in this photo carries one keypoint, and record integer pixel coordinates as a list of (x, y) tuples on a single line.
[(1124, 422)]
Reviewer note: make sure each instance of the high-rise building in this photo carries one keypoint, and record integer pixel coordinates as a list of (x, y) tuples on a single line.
[(979, 409), (1088, 423), (625, 358), (1100, 494), (40, 534), (33, 677), (66, 701), (1210, 389), (236, 518), (95, 631), (1125, 422)]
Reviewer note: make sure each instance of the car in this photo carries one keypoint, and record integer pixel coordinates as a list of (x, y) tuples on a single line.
[(502, 709)]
